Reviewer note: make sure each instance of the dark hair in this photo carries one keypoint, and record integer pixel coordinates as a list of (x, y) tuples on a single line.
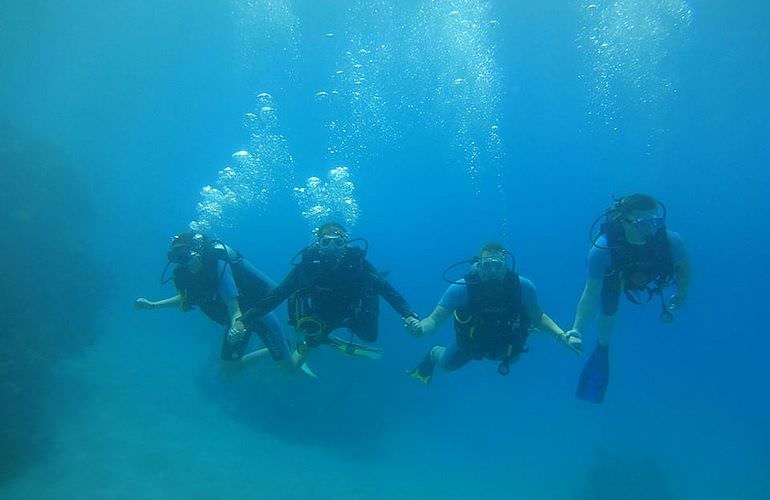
[(330, 227), (183, 239), (184, 243), (493, 247), (636, 202)]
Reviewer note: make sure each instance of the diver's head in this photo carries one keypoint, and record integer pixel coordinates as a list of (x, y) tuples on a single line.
[(332, 239), (639, 217), (187, 250), (492, 263)]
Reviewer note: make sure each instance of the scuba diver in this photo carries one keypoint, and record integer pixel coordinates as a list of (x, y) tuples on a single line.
[(493, 309), (636, 255), (218, 280), (333, 286)]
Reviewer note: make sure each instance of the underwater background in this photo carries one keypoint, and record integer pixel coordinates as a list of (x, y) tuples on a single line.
[(455, 122)]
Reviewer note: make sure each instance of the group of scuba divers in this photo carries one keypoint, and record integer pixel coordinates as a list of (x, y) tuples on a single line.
[(332, 287)]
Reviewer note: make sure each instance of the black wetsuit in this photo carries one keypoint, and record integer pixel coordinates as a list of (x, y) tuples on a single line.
[(340, 294)]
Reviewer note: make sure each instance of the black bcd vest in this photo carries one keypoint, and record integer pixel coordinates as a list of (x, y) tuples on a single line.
[(495, 323), (201, 289), (639, 267), (333, 290)]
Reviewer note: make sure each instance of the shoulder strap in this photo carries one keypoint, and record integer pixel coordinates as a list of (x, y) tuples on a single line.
[(355, 256)]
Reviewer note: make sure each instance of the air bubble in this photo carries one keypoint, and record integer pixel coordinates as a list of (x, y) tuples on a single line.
[(330, 199)]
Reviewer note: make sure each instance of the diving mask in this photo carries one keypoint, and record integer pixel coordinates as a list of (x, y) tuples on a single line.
[(185, 247), (649, 224), (493, 266), (332, 242)]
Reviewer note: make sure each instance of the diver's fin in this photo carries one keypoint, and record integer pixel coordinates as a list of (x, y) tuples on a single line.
[(305, 368), (595, 376), (415, 374), (355, 349), (424, 371)]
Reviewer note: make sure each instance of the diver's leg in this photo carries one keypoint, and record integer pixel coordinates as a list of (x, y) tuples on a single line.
[(254, 356), (595, 376), (289, 364), (453, 358), (366, 326), (448, 359), (270, 332), (610, 300), (604, 326)]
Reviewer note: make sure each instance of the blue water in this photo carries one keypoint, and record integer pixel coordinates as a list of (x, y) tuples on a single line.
[(114, 116)]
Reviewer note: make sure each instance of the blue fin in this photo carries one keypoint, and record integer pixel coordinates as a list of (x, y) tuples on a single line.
[(595, 376)]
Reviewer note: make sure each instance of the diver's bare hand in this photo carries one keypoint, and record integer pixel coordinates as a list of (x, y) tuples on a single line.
[(413, 325), (573, 340), (236, 332), (238, 324), (142, 303)]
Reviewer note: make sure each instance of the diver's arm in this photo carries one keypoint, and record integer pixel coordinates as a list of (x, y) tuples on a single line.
[(142, 303), (396, 300), (289, 285), (437, 318), (588, 304), (683, 272), (546, 325), (233, 309), (387, 292), (571, 339), (228, 290)]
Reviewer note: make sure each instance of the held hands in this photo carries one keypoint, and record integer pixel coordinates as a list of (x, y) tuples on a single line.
[(573, 340), (236, 332), (238, 324), (142, 303), (414, 326)]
